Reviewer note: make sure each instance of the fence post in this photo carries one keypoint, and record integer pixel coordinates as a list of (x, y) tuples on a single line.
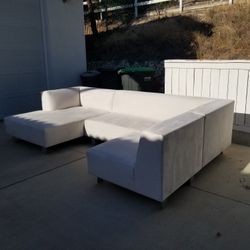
[(106, 14), (101, 16), (136, 8), (181, 5)]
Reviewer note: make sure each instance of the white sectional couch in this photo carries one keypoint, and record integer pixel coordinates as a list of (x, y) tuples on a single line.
[(154, 142)]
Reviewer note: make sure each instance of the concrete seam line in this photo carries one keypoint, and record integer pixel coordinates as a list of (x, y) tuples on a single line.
[(221, 196), (39, 174)]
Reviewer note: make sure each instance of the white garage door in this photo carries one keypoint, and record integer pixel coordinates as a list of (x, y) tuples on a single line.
[(22, 74)]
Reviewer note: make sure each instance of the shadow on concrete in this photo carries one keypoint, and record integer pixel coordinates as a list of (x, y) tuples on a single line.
[(171, 37)]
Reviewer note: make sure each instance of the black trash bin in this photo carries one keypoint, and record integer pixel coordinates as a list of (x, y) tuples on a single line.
[(138, 79), (91, 79), (109, 78)]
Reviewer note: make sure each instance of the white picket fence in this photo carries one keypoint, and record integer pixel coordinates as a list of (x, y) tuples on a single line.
[(137, 4), (228, 79)]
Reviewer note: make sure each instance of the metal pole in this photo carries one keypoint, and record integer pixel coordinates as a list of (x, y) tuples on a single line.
[(136, 8), (181, 5), (101, 16), (106, 10)]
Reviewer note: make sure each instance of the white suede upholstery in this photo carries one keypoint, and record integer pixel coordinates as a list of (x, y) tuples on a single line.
[(186, 133), (113, 125), (176, 155), (97, 98), (159, 158), (119, 158), (60, 99), (155, 142), (218, 127), (48, 128), (153, 105)]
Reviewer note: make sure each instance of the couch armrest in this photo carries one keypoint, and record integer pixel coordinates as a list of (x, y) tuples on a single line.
[(218, 127), (60, 98), (169, 154)]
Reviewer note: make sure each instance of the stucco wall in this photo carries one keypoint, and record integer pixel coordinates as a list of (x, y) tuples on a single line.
[(22, 73), (41, 46), (63, 24)]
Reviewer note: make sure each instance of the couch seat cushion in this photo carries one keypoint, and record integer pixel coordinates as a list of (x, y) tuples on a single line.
[(48, 128), (97, 98), (156, 106), (115, 160), (113, 125)]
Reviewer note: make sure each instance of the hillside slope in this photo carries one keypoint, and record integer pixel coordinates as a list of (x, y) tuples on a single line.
[(218, 33), (231, 33)]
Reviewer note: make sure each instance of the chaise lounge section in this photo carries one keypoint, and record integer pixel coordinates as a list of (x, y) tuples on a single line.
[(154, 143), (61, 119)]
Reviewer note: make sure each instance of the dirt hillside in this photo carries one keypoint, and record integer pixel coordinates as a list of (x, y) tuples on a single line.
[(217, 33)]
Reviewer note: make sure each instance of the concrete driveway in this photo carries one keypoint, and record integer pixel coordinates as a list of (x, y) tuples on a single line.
[(48, 201)]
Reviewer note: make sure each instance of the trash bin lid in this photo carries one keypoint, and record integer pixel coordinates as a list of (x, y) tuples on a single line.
[(109, 69), (129, 70)]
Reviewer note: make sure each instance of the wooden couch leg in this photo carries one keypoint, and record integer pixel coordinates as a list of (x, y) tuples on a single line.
[(99, 180)]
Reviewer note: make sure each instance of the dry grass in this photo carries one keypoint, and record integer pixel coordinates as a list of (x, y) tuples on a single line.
[(218, 33), (231, 33)]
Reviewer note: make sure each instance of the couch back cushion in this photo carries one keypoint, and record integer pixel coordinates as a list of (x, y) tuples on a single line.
[(154, 105), (60, 98), (97, 98)]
